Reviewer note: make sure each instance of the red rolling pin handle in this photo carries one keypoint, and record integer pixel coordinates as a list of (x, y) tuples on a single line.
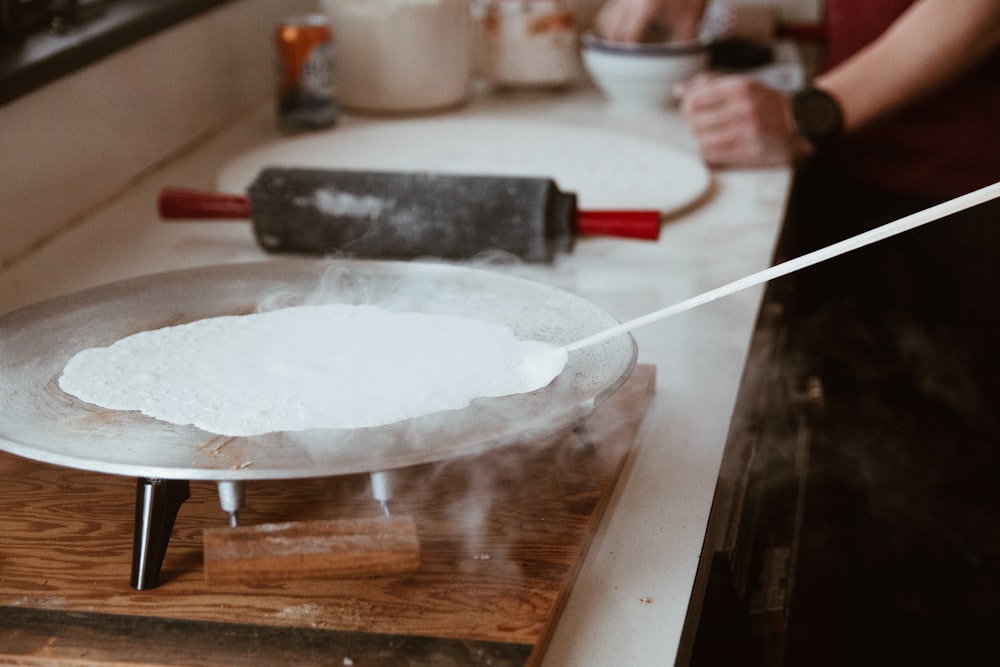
[(626, 224), (183, 204)]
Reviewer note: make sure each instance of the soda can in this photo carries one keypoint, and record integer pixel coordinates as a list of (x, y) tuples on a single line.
[(304, 47)]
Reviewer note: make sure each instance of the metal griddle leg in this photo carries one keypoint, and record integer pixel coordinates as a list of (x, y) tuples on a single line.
[(157, 502), (382, 490), (232, 495)]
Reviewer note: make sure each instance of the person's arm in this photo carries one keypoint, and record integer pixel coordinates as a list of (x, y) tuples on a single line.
[(930, 45), (740, 122), (628, 20)]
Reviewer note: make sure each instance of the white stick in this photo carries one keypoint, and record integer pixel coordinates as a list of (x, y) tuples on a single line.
[(815, 257)]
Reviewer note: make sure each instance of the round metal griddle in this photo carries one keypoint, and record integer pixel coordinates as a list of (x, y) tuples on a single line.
[(40, 421)]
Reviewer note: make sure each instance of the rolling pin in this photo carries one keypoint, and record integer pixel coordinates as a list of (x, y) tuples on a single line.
[(404, 215)]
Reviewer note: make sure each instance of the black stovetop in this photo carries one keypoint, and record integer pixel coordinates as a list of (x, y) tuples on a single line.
[(880, 497)]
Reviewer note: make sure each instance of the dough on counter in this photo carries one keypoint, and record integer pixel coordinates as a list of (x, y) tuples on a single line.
[(327, 366)]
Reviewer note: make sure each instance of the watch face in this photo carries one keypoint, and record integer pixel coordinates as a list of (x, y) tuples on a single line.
[(817, 114)]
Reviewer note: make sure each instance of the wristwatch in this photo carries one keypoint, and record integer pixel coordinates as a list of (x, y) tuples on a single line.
[(817, 116)]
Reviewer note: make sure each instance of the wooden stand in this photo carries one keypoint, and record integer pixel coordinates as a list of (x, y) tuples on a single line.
[(502, 536), (329, 548)]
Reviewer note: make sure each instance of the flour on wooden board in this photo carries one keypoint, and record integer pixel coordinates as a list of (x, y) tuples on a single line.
[(328, 366)]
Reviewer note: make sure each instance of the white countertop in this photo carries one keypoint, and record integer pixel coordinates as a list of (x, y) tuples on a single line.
[(630, 600)]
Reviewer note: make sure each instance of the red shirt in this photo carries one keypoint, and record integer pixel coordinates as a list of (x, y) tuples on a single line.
[(942, 147)]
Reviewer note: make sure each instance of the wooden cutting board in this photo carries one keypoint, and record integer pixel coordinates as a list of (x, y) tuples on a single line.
[(502, 537)]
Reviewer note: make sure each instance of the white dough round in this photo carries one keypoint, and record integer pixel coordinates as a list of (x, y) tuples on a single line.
[(328, 366)]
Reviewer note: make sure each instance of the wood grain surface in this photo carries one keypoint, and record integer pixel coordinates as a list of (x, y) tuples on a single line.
[(501, 537), (320, 549)]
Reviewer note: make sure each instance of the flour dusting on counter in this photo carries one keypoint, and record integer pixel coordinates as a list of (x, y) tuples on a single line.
[(328, 366)]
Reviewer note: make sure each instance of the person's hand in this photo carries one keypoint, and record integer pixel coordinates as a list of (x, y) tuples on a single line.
[(741, 122), (629, 20)]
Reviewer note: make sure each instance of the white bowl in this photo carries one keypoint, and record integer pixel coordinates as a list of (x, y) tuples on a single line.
[(641, 75)]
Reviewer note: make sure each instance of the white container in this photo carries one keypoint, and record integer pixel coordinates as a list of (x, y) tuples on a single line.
[(400, 55), (528, 43), (643, 75)]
